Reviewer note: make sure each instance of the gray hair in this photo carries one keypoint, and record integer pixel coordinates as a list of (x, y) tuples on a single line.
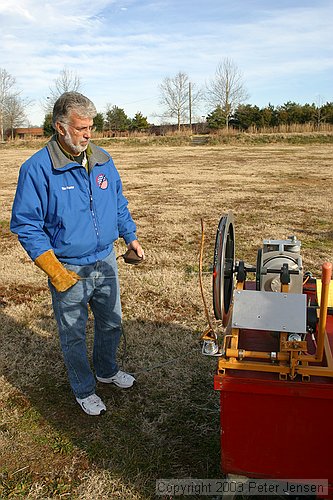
[(69, 102)]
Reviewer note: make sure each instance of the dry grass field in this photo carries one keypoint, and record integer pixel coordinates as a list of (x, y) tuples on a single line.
[(167, 426)]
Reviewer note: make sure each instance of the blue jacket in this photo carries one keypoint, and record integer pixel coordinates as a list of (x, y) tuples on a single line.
[(59, 206)]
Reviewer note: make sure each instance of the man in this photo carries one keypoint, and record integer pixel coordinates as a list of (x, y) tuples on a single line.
[(68, 211)]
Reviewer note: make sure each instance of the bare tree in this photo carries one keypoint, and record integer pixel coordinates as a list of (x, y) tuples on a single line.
[(67, 81), (318, 115), (178, 97), (7, 83), (16, 112), (226, 89)]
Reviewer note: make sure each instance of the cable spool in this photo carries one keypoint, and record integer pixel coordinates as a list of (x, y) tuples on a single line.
[(224, 264)]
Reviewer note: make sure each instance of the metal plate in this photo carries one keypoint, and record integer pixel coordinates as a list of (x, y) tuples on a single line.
[(272, 311)]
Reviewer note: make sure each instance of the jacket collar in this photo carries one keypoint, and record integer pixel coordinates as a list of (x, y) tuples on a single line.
[(60, 160)]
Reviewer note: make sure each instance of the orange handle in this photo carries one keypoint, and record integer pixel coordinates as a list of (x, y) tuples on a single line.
[(326, 280), (326, 273)]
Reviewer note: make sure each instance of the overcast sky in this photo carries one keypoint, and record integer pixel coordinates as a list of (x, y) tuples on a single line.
[(122, 49)]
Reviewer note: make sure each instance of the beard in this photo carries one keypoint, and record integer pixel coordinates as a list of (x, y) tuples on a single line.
[(78, 149)]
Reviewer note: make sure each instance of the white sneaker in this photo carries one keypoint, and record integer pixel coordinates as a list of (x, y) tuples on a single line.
[(120, 379), (92, 405)]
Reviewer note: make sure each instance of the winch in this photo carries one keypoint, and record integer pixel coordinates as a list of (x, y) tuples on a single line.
[(281, 303), (273, 342)]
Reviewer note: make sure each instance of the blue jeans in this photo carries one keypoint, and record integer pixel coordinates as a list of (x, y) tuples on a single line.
[(99, 288)]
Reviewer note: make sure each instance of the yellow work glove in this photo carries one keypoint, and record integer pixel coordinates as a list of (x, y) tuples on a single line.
[(61, 278)]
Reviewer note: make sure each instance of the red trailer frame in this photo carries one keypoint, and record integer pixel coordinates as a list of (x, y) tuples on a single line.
[(277, 429)]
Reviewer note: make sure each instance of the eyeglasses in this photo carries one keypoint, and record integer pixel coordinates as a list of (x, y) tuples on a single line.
[(82, 130)]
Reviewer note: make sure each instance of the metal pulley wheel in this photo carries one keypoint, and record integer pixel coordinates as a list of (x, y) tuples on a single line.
[(224, 265)]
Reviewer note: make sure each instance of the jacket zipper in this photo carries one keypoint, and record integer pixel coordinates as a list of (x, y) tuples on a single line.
[(93, 215), (88, 186), (92, 210)]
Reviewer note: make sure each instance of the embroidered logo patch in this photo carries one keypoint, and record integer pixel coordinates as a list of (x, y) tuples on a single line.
[(102, 181)]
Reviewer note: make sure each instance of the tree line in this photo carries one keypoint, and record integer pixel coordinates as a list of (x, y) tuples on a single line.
[(224, 98), (247, 116), (244, 118)]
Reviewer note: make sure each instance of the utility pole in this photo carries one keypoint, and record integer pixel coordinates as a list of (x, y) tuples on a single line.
[(190, 104)]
